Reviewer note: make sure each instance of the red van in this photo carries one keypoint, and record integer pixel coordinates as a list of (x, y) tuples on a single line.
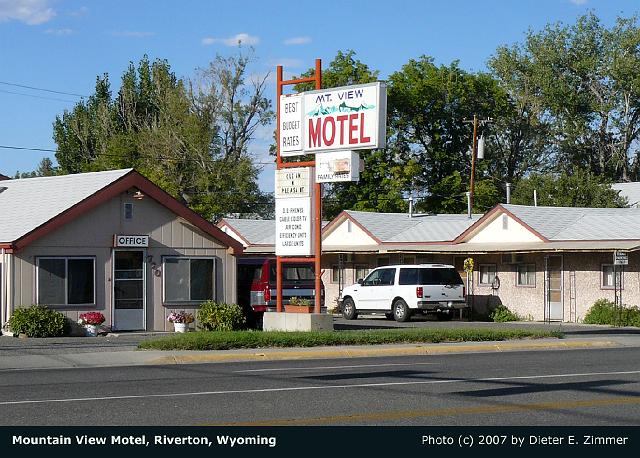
[(257, 285)]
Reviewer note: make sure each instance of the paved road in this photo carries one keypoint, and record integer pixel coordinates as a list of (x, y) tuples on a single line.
[(576, 387)]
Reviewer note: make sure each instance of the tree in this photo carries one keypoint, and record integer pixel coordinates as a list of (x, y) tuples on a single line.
[(581, 188), (190, 137), (428, 107), (584, 83), (45, 169), (383, 180)]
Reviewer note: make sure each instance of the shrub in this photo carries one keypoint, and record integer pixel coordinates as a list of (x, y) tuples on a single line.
[(501, 314), (38, 321), (218, 316), (603, 311)]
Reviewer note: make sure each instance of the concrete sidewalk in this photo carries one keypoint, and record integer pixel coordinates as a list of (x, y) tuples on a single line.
[(155, 357), (121, 349)]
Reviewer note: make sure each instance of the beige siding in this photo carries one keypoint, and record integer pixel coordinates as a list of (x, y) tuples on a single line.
[(92, 235)]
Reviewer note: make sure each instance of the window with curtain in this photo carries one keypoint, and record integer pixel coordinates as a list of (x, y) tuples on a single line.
[(526, 275), (607, 277), (487, 274)]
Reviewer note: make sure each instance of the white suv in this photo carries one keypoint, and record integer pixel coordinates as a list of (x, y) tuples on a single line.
[(400, 291)]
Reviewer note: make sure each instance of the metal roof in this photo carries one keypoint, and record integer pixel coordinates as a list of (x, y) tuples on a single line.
[(254, 231), (26, 204), (629, 190), (399, 227), (576, 223)]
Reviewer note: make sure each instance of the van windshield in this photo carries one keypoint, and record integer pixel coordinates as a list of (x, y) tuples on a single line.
[(434, 276), (293, 272)]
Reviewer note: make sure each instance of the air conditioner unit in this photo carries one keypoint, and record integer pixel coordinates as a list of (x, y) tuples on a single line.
[(512, 258)]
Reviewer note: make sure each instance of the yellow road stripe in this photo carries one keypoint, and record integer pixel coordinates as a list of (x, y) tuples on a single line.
[(406, 414), (417, 349)]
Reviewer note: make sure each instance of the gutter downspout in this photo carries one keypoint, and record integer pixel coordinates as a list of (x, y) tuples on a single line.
[(3, 267)]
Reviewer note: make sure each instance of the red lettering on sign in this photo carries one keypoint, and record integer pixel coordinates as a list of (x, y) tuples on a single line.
[(363, 139), (352, 128), (314, 133), (328, 141), (341, 119)]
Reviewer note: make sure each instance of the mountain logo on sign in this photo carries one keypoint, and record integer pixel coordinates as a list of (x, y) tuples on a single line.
[(342, 108)]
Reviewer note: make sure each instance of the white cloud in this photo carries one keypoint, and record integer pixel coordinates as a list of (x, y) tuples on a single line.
[(297, 41), (31, 12), (82, 11), (578, 2), (59, 32), (241, 38), (132, 33), (285, 62)]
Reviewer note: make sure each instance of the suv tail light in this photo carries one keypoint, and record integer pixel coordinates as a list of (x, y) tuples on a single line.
[(419, 292), (267, 293)]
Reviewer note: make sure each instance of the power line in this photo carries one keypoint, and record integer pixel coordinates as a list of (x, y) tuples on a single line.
[(143, 156), (37, 96), (42, 89)]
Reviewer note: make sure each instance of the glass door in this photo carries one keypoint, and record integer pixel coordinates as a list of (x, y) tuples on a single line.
[(128, 290)]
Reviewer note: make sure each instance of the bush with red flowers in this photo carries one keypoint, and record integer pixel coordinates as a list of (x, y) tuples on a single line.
[(95, 318)]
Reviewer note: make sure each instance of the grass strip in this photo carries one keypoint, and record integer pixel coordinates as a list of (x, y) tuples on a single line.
[(228, 340)]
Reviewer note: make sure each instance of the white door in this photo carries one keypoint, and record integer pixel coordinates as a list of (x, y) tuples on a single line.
[(376, 290), (554, 306), (128, 290)]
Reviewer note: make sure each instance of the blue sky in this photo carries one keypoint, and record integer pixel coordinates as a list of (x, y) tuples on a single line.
[(62, 45)]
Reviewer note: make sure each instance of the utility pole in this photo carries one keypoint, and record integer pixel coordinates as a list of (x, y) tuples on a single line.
[(474, 152)]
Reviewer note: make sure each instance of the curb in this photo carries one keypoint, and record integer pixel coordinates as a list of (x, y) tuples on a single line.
[(358, 352)]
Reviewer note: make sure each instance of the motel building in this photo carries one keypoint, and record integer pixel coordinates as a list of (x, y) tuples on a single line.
[(111, 242), (544, 263)]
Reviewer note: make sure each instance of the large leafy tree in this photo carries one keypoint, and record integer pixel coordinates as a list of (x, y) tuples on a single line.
[(189, 137), (429, 106), (581, 188), (583, 81)]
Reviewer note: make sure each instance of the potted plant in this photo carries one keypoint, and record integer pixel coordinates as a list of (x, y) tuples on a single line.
[(299, 305), (91, 321), (180, 320)]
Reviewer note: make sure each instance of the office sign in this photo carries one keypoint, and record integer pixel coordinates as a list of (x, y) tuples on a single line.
[(337, 166), (131, 241), (350, 117), (294, 182), (290, 123)]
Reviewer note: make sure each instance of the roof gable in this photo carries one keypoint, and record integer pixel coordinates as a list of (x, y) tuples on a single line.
[(345, 231), (78, 194)]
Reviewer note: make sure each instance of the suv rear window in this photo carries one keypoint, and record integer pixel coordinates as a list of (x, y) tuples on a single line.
[(293, 272), (429, 276)]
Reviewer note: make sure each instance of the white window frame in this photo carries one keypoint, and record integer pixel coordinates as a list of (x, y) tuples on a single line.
[(618, 272), (334, 269), (66, 280), (489, 266), (190, 301), (360, 266), (525, 285)]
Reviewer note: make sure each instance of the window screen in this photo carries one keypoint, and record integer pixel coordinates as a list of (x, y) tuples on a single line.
[(188, 279), (66, 281)]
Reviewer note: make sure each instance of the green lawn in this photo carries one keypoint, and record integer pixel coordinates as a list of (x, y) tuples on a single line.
[(256, 339)]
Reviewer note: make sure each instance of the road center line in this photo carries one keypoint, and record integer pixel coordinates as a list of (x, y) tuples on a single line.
[(314, 387), (330, 367)]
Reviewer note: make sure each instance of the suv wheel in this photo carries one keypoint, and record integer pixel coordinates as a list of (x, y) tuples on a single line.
[(401, 311), (349, 309)]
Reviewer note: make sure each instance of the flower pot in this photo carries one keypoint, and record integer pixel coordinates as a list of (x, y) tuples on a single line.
[(180, 327), (90, 330), (299, 308)]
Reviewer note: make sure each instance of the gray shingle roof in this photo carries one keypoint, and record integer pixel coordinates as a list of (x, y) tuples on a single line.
[(399, 228), (629, 190), (255, 231), (28, 203), (569, 223)]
